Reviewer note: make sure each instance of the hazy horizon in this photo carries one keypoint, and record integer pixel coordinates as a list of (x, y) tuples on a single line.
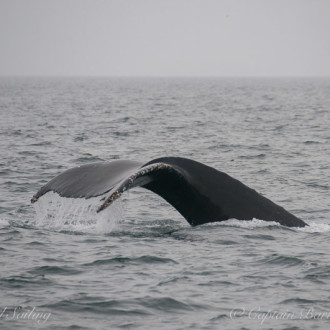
[(165, 38), (161, 77)]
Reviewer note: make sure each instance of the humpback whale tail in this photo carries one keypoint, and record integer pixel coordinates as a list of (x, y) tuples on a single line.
[(200, 193)]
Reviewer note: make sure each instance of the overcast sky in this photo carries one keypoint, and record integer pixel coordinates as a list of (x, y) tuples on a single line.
[(165, 37)]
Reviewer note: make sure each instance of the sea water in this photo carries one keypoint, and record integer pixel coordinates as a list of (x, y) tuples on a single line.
[(138, 264)]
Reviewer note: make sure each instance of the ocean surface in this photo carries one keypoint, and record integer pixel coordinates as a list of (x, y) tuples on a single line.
[(138, 264)]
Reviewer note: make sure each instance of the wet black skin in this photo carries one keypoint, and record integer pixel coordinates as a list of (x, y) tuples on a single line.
[(200, 193)]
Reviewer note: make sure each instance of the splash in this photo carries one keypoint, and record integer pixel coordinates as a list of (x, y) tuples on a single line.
[(315, 227), (312, 227), (249, 224), (76, 214)]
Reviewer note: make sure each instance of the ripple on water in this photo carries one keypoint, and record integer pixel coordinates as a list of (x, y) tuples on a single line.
[(287, 261), (318, 274), (25, 282), (54, 270), (131, 261), (97, 305), (261, 237), (135, 306)]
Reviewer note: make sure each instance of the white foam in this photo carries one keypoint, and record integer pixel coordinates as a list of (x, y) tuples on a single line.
[(4, 223), (312, 227), (76, 214), (250, 224), (316, 228)]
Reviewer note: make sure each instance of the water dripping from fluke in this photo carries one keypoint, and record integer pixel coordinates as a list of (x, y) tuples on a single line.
[(58, 213)]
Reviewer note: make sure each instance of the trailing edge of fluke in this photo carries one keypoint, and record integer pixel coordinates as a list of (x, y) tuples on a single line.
[(200, 193)]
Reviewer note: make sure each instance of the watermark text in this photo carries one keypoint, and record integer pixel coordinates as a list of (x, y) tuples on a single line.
[(19, 313), (264, 315)]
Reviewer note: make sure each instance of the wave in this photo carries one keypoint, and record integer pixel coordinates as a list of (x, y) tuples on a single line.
[(124, 260), (141, 305), (315, 227)]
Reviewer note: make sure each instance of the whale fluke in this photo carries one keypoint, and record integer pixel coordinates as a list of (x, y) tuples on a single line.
[(200, 193)]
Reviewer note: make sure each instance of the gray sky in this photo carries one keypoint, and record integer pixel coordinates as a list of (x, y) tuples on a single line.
[(165, 37)]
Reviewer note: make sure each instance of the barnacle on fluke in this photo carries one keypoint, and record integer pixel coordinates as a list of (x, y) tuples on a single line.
[(200, 193)]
